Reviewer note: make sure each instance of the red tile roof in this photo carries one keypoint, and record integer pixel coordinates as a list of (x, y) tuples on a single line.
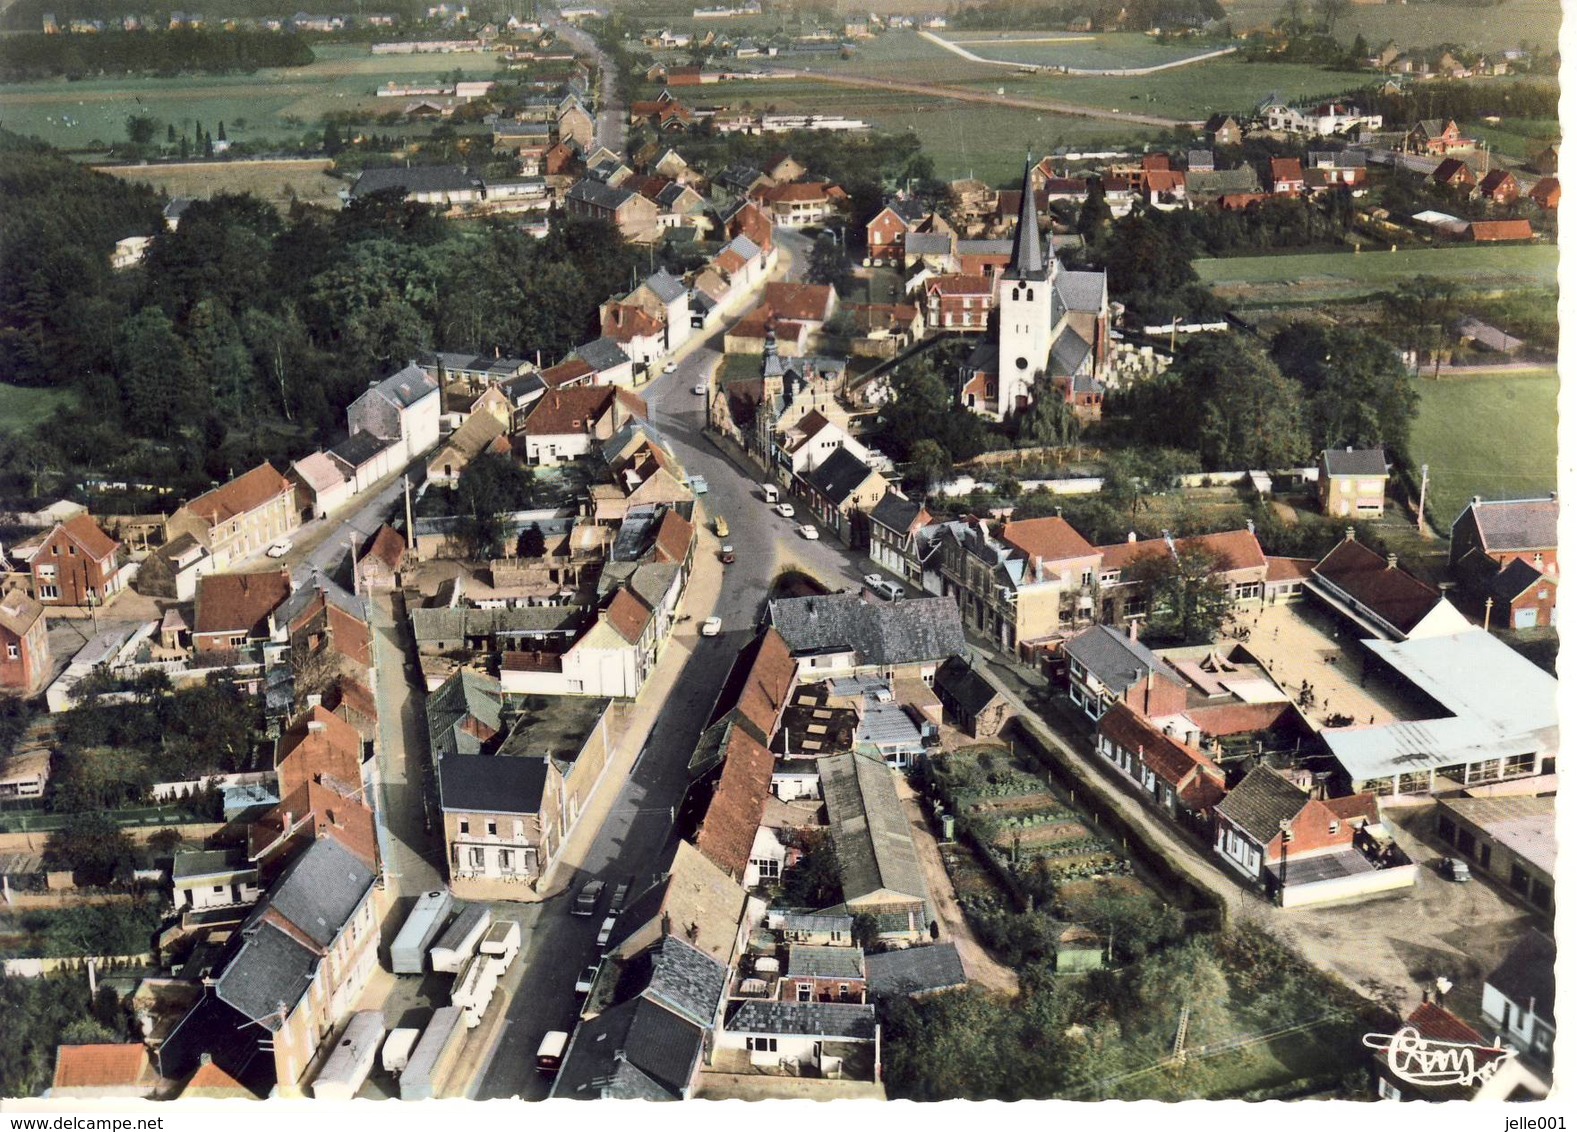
[(239, 603), (241, 495), (214, 1083), (1286, 169), (729, 828), (563, 411), (308, 753), (1236, 550), (566, 372), (625, 323), (388, 547), (628, 615), (958, 285), (768, 685), (103, 1066), (1288, 569), (674, 536), (1217, 720), (1388, 591), (1170, 758), (89, 536), (802, 302), (795, 191), (1365, 806), (1052, 539), (1487, 231), (1439, 1024)]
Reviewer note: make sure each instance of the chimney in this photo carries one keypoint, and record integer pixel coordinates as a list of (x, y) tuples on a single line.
[(1351, 534), (1477, 499), (1133, 536), (1133, 628), (1390, 562), (1251, 526), (1038, 565), (316, 727)]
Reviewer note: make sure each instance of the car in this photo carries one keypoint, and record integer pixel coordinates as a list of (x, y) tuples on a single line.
[(587, 978), (720, 525), (1455, 869), (873, 580), (605, 933), (671, 367), (807, 530), (728, 556), (586, 899), (785, 509), (280, 548), (698, 485), (711, 627), (700, 389), (620, 894)]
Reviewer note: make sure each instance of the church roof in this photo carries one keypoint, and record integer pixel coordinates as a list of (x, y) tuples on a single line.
[(1029, 256)]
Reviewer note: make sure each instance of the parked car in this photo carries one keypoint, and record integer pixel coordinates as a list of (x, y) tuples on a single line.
[(281, 548), (620, 894), (698, 485), (671, 367), (1455, 869), (728, 556), (700, 389), (586, 899), (587, 978), (785, 509), (720, 525), (605, 933), (892, 591), (872, 580), (711, 627), (808, 530)]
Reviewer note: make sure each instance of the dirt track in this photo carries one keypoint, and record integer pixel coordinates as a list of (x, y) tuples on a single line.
[(959, 94)]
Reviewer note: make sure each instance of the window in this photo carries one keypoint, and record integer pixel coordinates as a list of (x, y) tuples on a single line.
[(766, 869), (492, 829), (218, 888), (71, 550), (506, 860), (465, 826), (47, 572), (478, 858), (12, 652), (762, 1045), (803, 991)]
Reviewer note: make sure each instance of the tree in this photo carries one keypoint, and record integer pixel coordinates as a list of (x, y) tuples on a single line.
[(813, 881), (93, 847), (332, 144), (141, 129), (532, 544), (222, 131), (929, 463), (1231, 405), (490, 486), (1049, 421), (1330, 11), (1095, 215), (830, 264), (159, 378), (866, 930), (1186, 594), (1356, 387)]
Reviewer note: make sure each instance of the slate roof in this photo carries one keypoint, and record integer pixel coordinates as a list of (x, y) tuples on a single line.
[(1113, 659), (1347, 462), (959, 682), (270, 969), (599, 195), (659, 1049), (320, 890), (870, 831), (1069, 352), (464, 695), (685, 980), (1029, 254), (806, 961), (1261, 802), (457, 624), (843, 1020), (1515, 580), (665, 286), (602, 354), (893, 633), (1516, 524), (914, 970), (1081, 290), (491, 784), (1388, 591), (407, 387), (694, 893), (360, 448), (838, 476), (895, 512), (814, 922), (416, 179), (1527, 975)]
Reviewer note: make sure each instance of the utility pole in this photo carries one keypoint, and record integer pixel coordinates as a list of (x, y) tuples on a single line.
[(410, 524), (1423, 487)]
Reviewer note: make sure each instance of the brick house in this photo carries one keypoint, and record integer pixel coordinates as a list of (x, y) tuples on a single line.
[(1105, 667), (235, 611), (841, 491), (24, 644), (896, 522), (1546, 193), (1023, 584), (800, 203), (959, 302), (1286, 176), (75, 564), (1499, 187), (1179, 779), (1266, 823), (1503, 530), (1436, 136), (973, 702), (1453, 173), (1353, 483), (634, 215), (1224, 130), (238, 519)]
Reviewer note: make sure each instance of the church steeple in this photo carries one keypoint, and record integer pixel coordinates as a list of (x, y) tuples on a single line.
[(1029, 257)]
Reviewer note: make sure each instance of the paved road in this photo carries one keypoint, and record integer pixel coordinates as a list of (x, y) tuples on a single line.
[(637, 839), (610, 112)]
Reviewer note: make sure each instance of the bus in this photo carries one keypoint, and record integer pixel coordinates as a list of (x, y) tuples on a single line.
[(550, 1054)]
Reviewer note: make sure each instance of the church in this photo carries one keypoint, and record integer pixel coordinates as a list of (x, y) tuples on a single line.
[(1053, 330)]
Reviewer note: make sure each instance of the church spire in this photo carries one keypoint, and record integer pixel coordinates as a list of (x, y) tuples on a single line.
[(1029, 257)]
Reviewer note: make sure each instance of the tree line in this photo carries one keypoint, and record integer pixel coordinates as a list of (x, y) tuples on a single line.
[(26, 58), (1022, 15), (245, 333)]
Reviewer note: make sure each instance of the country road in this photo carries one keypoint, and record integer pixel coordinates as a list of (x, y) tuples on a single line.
[(961, 95), (956, 49)]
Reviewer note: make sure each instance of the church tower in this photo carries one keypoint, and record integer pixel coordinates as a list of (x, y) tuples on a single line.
[(1026, 308)]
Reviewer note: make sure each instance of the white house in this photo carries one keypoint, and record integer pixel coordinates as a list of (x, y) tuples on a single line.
[(612, 658), (405, 407), (813, 1034), (1519, 996)]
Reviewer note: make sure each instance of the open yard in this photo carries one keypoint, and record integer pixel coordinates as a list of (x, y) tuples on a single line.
[(277, 181), (1487, 27), (274, 103), (1493, 437), (1247, 280), (22, 409)]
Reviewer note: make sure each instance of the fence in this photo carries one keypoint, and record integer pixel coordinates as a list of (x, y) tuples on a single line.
[(37, 968)]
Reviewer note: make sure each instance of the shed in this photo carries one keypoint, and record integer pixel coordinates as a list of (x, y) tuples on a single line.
[(433, 1055), (409, 950), (460, 939), (353, 1058)]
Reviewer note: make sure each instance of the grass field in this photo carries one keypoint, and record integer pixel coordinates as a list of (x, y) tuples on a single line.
[(1083, 52), (1309, 278), (1493, 437), (276, 181), (273, 103), (1486, 28), (22, 409)]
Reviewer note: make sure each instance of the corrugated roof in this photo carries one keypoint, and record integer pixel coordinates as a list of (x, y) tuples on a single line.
[(869, 828)]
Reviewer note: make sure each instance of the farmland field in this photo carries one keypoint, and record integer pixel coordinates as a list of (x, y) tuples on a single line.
[(1493, 437), (22, 409), (1475, 27), (276, 181), (1305, 278), (1081, 52), (273, 103)]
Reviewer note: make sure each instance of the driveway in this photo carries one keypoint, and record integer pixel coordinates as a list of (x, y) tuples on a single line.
[(979, 966)]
